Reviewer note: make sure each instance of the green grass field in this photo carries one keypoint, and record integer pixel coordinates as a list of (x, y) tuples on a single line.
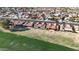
[(13, 42)]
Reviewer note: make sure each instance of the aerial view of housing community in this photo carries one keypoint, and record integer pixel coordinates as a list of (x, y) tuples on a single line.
[(39, 29)]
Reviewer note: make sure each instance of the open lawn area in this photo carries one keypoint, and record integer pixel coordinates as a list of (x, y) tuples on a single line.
[(38, 40), (15, 42)]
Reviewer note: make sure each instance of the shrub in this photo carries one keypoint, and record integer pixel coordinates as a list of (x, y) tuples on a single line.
[(5, 24)]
